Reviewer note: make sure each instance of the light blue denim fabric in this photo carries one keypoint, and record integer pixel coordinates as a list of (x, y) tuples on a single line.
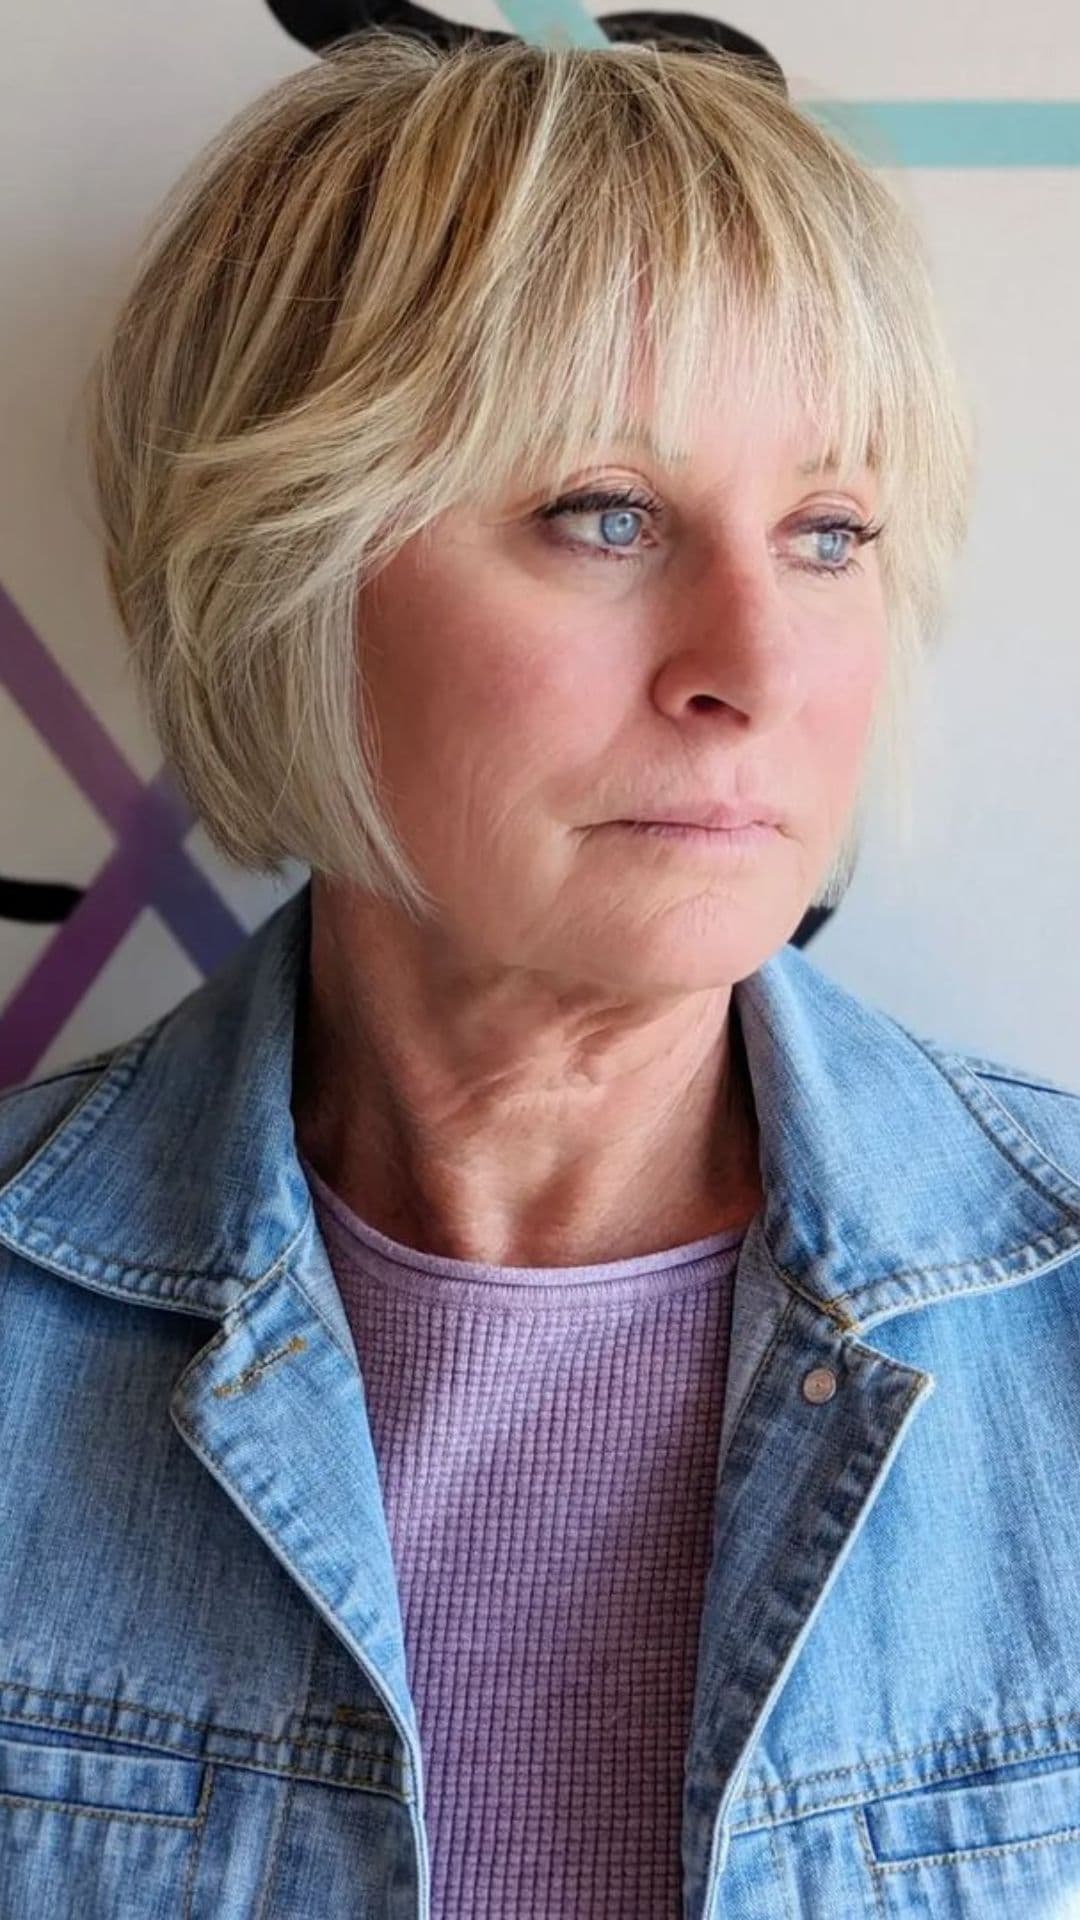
[(204, 1708)]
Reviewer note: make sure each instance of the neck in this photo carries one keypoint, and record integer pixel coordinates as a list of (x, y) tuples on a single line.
[(518, 1158)]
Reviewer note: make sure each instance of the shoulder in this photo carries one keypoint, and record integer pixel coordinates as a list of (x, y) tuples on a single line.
[(1047, 1110), (30, 1114)]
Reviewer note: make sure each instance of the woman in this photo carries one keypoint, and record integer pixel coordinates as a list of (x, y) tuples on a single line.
[(518, 1391)]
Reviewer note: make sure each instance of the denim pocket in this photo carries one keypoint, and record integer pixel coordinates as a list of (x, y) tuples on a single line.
[(92, 1831), (1002, 1844)]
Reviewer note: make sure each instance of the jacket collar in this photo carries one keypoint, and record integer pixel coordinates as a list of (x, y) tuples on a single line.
[(892, 1176)]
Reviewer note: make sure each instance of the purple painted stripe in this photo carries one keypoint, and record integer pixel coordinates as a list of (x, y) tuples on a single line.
[(144, 872), (38, 684), (69, 964), (149, 868)]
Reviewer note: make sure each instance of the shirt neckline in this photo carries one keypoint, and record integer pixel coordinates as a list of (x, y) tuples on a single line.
[(669, 1259)]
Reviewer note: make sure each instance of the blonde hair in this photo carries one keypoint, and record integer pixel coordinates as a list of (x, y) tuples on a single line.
[(407, 277)]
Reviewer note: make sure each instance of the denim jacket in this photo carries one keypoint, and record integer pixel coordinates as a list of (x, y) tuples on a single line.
[(204, 1711)]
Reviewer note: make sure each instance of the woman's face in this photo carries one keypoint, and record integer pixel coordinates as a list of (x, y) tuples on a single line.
[(539, 676)]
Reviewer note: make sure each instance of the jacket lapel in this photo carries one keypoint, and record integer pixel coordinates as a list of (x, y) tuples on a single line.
[(273, 1406), (806, 1454)]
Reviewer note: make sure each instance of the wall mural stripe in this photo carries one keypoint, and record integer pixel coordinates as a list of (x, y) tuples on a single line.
[(957, 133), (149, 866)]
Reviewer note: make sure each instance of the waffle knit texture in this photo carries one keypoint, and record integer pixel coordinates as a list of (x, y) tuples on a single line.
[(547, 1441)]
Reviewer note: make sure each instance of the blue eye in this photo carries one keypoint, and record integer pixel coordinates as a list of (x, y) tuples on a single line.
[(831, 533), (610, 503), (625, 504), (858, 532)]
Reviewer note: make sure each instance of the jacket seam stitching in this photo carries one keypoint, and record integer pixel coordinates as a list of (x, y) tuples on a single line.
[(913, 1753), (1006, 1149), (177, 1719), (196, 1851), (77, 1070), (117, 1074)]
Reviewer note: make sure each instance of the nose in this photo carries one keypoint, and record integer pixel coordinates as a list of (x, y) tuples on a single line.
[(731, 644)]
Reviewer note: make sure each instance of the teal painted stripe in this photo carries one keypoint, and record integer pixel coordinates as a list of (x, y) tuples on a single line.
[(956, 133), (887, 133), (551, 21)]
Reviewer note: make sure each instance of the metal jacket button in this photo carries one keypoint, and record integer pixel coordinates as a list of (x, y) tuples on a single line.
[(819, 1384)]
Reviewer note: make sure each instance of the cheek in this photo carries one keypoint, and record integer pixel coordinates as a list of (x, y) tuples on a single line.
[(478, 716), (854, 701), (853, 671), (520, 694), (839, 713)]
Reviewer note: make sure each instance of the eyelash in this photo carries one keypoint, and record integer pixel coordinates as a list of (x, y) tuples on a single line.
[(604, 500)]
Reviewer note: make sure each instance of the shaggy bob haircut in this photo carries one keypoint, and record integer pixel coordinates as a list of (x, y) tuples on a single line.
[(408, 277)]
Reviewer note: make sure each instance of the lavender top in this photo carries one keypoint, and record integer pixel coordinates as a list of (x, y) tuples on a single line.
[(547, 1441)]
